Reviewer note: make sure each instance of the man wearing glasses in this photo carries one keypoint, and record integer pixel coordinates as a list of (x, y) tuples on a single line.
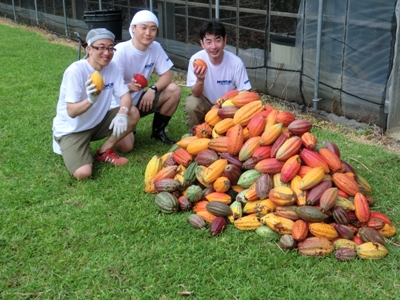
[(142, 55), (84, 114)]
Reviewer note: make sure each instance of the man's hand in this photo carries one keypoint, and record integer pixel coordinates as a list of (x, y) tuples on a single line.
[(146, 103), (200, 72), (120, 124), (91, 91)]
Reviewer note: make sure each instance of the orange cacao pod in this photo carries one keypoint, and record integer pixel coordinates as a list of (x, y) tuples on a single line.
[(203, 130), (219, 144), (345, 183), (206, 215), (219, 197), (235, 139), (262, 152), (285, 117), (362, 210), (331, 159), (309, 140), (256, 125), (300, 230), (245, 97), (290, 168), (182, 157), (269, 165)]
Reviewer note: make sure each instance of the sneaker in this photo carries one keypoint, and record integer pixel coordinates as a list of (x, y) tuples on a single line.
[(112, 157)]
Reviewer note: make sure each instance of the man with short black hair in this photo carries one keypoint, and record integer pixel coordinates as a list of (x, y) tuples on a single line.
[(224, 72)]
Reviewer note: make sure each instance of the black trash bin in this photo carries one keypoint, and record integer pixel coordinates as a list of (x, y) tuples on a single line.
[(110, 19)]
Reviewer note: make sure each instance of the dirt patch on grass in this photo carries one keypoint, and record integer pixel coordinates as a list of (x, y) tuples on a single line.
[(369, 135)]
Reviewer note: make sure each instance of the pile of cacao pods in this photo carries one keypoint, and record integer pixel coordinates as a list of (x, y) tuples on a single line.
[(261, 169)]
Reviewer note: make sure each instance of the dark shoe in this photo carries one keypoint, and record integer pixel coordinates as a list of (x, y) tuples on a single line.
[(161, 136), (159, 123)]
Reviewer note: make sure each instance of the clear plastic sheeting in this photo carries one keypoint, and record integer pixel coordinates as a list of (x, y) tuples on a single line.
[(356, 56)]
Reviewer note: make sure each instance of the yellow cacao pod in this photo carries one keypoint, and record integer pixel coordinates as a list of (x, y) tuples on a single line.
[(97, 79), (371, 250)]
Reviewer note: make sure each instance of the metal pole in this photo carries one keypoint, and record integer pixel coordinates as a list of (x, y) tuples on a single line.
[(15, 14), (65, 18), (100, 5), (37, 14), (217, 9), (318, 55), (151, 5)]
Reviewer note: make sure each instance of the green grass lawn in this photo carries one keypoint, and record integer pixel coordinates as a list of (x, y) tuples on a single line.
[(103, 238)]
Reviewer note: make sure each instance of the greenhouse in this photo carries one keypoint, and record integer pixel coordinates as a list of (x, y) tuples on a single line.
[(338, 56)]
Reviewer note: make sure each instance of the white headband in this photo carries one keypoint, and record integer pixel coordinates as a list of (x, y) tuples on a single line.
[(141, 17)]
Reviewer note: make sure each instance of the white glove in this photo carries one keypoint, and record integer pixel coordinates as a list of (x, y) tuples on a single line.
[(120, 124), (91, 91)]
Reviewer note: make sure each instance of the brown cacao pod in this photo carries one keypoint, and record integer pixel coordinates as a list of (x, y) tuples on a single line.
[(300, 126), (345, 254), (371, 235), (206, 157), (310, 214), (315, 193), (196, 221), (264, 184), (328, 199), (315, 246), (287, 242)]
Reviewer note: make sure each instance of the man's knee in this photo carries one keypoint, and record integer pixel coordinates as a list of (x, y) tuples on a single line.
[(192, 103), (83, 172)]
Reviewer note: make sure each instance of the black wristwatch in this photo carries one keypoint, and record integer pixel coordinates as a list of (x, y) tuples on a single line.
[(153, 87)]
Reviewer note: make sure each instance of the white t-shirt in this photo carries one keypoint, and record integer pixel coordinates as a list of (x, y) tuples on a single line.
[(231, 74), (73, 90), (131, 61)]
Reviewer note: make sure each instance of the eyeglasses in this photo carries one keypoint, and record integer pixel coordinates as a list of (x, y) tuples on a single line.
[(104, 49)]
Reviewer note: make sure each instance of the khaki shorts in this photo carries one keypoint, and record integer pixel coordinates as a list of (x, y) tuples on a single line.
[(75, 147), (154, 108), (195, 110)]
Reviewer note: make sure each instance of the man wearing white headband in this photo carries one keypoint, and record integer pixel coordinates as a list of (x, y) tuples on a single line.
[(83, 111), (142, 55)]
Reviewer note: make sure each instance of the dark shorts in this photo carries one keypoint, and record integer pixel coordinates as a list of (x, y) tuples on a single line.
[(154, 108), (75, 147)]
